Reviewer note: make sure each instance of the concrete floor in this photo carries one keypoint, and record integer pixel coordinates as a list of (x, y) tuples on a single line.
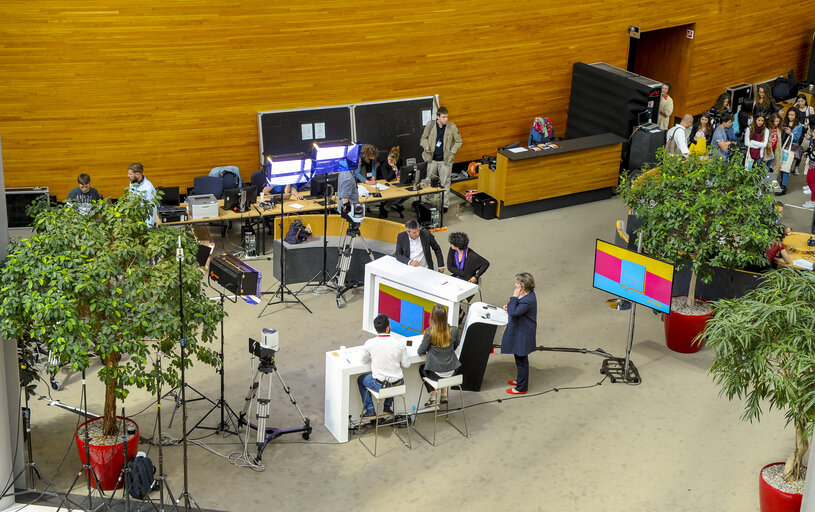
[(668, 444)]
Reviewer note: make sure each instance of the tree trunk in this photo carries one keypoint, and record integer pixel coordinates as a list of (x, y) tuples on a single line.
[(109, 425), (794, 466), (692, 290)]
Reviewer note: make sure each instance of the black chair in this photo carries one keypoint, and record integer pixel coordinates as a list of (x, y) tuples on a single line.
[(230, 181), (259, 179)]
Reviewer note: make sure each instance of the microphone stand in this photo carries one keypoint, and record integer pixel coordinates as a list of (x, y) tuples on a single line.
[(188, 499)]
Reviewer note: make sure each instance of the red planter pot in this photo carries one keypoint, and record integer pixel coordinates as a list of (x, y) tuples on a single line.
[(681, 330), (774, 500), (107, 461)]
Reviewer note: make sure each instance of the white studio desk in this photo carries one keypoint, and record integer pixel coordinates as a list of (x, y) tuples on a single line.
[(342, 400), (417, 284)]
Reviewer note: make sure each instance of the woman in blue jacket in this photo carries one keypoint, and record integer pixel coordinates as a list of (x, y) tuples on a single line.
[(519, 336)]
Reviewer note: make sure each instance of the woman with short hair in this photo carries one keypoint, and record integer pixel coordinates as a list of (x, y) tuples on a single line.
[(520, 334)]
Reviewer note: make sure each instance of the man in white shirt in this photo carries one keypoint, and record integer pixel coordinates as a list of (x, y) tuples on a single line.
[(387, 355), (141, 185), (677, 137)]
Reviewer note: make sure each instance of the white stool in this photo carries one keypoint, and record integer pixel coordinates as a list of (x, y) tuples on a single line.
[(382, 394), (447, 382)]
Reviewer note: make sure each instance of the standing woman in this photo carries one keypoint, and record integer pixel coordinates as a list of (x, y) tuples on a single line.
[(804, 110), (721, 107), (666, 108), (439, 342), (763, 102), (366, 165), (520, 335), (772, 153), (701, 134), (791, 129), (755, 139)]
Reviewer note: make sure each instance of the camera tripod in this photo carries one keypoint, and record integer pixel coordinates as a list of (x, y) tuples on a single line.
[(344, 262), (260, 392)]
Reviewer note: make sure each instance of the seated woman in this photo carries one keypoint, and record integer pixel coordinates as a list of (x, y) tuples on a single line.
[(465, 263), (439, 342), (387, 171)]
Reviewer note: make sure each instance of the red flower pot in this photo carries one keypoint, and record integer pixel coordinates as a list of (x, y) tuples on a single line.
[(774, 500), (107, 461), (681, 330)]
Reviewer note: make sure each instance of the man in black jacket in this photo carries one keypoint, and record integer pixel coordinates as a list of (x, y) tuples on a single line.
[(413, 247)]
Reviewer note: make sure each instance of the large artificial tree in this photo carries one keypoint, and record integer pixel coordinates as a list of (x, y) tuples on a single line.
[(99, 282), (705, 212), (764, 353)]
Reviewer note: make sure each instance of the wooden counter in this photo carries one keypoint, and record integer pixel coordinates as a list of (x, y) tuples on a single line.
[(577, 171)]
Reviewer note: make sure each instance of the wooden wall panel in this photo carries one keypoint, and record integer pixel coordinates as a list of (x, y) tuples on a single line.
[(95, 86)]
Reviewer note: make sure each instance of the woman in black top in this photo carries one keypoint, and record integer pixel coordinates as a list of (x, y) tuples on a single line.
[(439, 342), (463, 262)]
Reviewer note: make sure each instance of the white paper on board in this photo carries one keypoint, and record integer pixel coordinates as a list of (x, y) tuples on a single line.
[(319, 130), (307, 131), (426, 116)]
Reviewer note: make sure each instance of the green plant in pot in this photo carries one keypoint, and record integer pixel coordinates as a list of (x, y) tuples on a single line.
[(764, 353), (104, 286), (704, 213)]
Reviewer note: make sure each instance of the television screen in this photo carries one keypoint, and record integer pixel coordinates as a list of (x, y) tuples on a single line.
[(633, 276), (18, 200)]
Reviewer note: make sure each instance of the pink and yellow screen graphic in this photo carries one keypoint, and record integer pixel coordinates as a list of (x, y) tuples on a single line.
[(633, 276)]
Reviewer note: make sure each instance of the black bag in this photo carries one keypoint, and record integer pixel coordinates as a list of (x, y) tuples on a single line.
[(297, 233), (142, 477)]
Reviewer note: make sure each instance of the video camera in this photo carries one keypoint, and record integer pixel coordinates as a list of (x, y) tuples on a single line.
[(268, 346)]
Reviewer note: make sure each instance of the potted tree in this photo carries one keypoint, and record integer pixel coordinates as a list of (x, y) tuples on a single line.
[(703, 213), (764, 353), (101, 283)]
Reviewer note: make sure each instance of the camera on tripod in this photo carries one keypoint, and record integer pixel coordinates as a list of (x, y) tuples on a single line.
[(268, 345)]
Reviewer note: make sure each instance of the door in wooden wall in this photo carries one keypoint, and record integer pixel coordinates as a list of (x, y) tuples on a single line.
[(664, 55)]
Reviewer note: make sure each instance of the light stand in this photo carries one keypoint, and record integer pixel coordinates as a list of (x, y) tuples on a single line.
[(282, 289), (221, 402), (321, 279), (31, 467), (86, 467), (188, 499), (284, 172), (161, 478)]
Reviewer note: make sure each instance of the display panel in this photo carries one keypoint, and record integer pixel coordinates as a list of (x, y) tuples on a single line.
[(633, 276), (409, 313)]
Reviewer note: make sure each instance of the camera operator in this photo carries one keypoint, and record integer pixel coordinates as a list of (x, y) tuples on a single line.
[(348, 198)]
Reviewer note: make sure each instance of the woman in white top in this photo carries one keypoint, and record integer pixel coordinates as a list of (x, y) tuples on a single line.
[(756, 138)]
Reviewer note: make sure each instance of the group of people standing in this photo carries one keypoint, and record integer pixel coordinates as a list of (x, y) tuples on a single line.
[(773, 138)]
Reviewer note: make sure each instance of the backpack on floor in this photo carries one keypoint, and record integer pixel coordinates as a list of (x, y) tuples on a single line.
[(142, 477)]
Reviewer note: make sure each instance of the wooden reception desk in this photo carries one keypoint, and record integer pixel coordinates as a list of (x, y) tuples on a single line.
[(577, 171)]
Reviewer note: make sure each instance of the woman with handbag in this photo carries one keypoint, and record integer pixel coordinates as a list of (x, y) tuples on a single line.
[(755, 138), (792, 129), (772, 155)]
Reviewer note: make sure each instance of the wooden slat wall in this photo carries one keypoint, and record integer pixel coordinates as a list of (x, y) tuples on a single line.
[(96, 85)]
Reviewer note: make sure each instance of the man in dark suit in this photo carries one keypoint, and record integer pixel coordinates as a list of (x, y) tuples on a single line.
[(413, 247)]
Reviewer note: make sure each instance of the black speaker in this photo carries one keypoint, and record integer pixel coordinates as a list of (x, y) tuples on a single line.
[(606, 99), (644, 144)]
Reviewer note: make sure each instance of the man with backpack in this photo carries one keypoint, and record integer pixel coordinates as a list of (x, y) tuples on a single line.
[(677, 137)]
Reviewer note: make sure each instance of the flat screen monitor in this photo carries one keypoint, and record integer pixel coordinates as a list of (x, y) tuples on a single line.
[(171, 196), (232, 198), (633, 276), (324, 185), (407, 176), (249, 196)]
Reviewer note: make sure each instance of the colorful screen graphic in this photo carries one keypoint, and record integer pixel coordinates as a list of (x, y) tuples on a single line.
[(633, 276), (409, 314)]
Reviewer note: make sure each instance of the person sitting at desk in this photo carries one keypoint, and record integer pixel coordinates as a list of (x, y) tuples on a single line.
[(413, 247), (439, 342), (464, 263), (366, 165), (387, 355), (84, 193), (287, 191), (387, 171)]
